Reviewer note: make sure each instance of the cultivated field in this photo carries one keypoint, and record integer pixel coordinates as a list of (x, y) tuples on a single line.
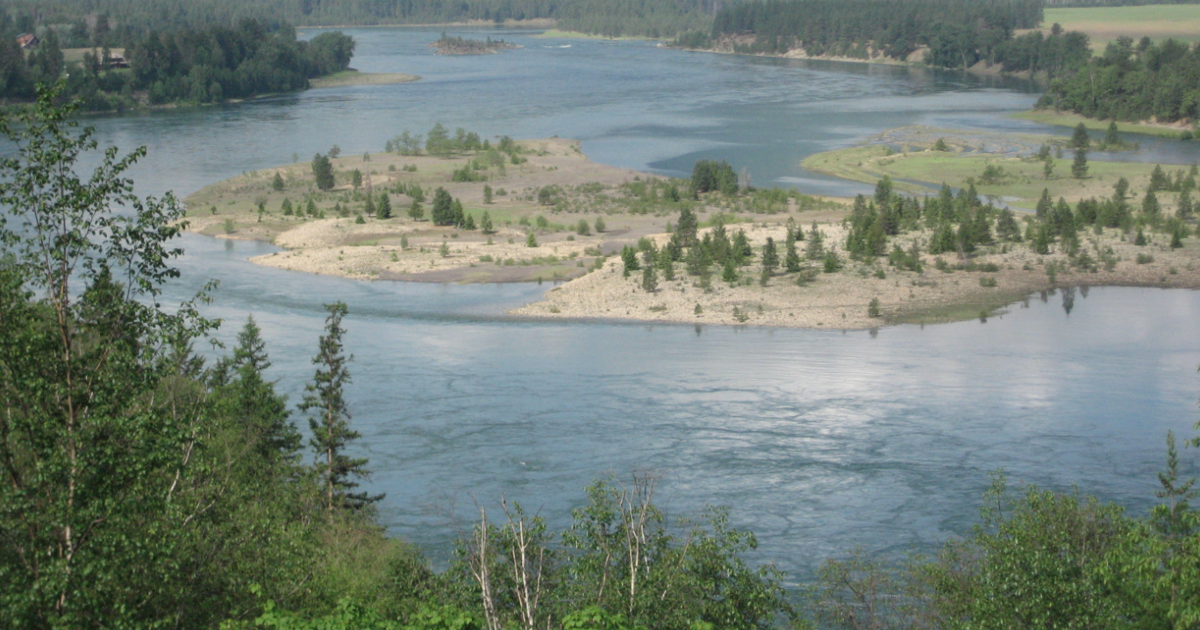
[(1105, 24)]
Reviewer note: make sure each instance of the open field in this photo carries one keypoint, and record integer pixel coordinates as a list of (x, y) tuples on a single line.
[(354, 77), (1105, 24), (1068, 119), (906, 156), (75, 55)]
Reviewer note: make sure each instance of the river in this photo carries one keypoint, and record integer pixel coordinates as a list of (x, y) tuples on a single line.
[(818, 441)]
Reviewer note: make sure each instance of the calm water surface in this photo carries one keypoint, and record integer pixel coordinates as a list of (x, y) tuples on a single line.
[(818, 441)]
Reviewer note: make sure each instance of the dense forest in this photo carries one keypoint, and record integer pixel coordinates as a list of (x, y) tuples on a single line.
[(1133, 82), (957, 33), (198, 65), (135, 18), (145, 486), (953, 29), (1113, 3)]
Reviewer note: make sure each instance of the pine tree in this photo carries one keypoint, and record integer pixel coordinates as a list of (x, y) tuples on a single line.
[(629, 260), (443, 207), (369, 206), (383, 209), (356, 178), (1111, 139), (277, 183), (457, 217), (329, 420), (485, 224), (263, 412), (770, 257), (729, 271), (1184, 209), (531, 240), (666, 263), (815, 249), (469, 223), (323, 172), (487, 193), (686, 229), (791, 260), (1079, 139), (1150, 205), (649, 279), (1079, 168), (415, 211)]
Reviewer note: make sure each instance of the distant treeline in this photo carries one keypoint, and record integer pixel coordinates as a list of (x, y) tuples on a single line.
[(1131, 82), (200, 65), (894, 27), (1113, 3), (135, 18)]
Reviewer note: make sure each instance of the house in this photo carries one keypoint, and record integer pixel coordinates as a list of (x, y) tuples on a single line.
[(116, 61), (28, 40)]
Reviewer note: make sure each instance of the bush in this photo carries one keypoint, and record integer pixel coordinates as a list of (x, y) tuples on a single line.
[(873, 308)]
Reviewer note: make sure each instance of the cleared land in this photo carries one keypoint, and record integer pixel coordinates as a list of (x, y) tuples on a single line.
[(1105, 24)]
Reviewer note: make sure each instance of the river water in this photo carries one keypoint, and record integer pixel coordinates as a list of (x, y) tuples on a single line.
[(818, 441)]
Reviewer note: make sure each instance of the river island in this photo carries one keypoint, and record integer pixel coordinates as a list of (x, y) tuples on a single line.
[(610, 238)]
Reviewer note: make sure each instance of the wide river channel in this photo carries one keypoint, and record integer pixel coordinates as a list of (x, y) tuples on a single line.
[(817, 441)]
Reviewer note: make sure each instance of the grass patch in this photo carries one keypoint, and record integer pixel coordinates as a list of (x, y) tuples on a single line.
[(1068, 119), (1021, 184), (1105, 24)]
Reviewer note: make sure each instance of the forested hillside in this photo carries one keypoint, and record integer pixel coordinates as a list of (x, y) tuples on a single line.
[(958, 33), (197, 65), (132, 18), (1128, 82)]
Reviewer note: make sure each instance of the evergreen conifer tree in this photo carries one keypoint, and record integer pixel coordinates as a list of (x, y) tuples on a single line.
[(686, 229), (649, 279), (383, 209), (815, 250), (1111, 139), (443, 207), (1079, 167), (791, 260), (770, 257), (1079, 139), (456, 213), (1150, 205), (729, 271), (485, 224), (263, 411), (329, 420), (1184, 209), (277, 183), (323, 172), (415, 211)]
